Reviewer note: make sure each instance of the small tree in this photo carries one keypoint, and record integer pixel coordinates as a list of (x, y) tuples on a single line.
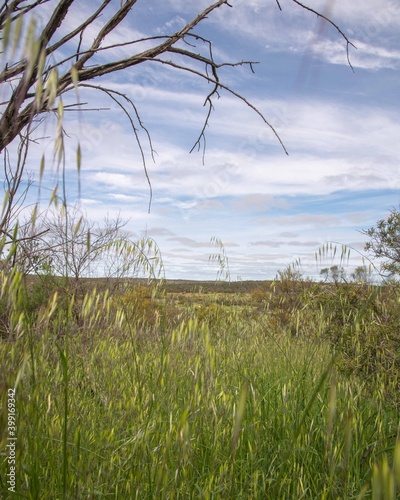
[(384, 243), (73, 247), (362, 275), (75, 244), (334, 274), (291, 274)]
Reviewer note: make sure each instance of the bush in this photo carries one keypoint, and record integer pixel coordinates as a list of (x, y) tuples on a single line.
[(138, 302)]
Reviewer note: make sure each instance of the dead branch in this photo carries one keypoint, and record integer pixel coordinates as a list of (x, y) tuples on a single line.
[(39, 80), (328, 20), (22, 108), (111, 93)]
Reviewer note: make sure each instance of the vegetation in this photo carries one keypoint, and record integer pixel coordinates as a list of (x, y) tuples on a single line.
[(384, 243), (123, 388), (288, 389)]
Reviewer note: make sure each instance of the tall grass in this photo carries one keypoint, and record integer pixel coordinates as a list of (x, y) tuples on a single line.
[(228, 407)]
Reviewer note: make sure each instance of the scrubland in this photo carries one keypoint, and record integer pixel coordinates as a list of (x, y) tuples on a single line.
[(276, 390)]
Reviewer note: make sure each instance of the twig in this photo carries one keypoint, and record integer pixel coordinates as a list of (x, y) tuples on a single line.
[(111, 93), (318, 14)]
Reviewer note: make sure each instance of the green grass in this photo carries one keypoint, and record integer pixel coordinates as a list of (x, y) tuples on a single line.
[(228, 405)]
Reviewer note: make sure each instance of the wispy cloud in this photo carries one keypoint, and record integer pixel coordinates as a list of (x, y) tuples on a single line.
[(370, 27), (189, 242), (282, 243)]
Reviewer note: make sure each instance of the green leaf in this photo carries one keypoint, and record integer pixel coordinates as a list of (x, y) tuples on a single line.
[(74, 77), (42, 165), (17, 34), (6, 33)]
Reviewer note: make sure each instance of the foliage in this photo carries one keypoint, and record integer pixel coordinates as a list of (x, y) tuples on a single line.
[(333, 274), (384, 243), (359, 320), (362, 275), (362, 324), (139, 304), (60, 251), (222, 260), (284, 296)]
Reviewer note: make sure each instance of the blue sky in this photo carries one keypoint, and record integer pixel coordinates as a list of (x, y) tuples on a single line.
[(341, 129)]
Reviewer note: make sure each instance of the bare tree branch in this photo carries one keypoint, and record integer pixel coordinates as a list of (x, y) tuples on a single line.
[(13, 11), (325, 18), (17, 115), (79, 29), (110, 26), (59, 61), (228, 89), (13, 119), (111, 93)]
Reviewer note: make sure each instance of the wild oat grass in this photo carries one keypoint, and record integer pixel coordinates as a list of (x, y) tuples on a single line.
[(225, 405)]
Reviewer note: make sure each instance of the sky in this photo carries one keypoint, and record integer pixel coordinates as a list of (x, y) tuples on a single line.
[(338, 123)]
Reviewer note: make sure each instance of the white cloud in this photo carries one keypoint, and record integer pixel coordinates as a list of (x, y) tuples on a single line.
[(367, 56), (331, 147), (123, 197), (257, 201), (369, 26), (189, 242)]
